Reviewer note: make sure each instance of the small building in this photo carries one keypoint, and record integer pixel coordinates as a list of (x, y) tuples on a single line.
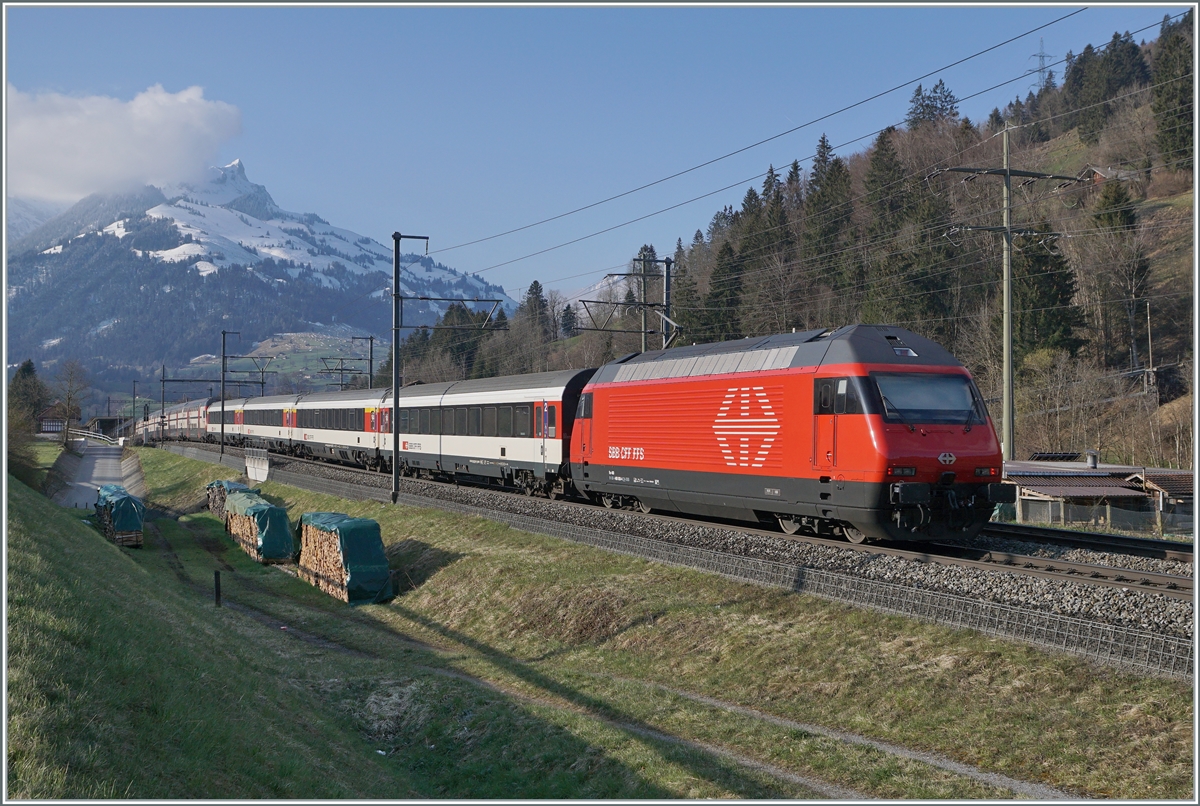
[(53, 420), (1098, 495)]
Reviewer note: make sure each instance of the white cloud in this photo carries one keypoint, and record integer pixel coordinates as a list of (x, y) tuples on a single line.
[(62, 148)]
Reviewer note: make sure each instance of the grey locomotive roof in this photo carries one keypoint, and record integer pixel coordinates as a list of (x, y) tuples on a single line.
[(869, 344)]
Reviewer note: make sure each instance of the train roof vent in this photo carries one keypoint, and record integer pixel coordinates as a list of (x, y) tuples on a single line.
[(900, 348)]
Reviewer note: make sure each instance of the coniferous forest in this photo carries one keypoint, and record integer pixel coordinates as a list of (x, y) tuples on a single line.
[(1103, 267)]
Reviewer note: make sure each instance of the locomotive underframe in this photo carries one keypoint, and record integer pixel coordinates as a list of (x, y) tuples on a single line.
[(819, 505)]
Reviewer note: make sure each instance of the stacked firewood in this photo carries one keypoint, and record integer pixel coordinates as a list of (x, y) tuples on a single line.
[(132, 539), (321, 561), (243, 529)]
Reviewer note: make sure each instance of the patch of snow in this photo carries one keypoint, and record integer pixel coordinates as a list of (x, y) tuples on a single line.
[(117, 228), (103, 326), (200, 359), (180, 253), (54, 250), (48, 343), (205, 268)]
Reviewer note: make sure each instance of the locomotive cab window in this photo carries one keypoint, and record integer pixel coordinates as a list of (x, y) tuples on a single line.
[(931, 398), (839, 396)]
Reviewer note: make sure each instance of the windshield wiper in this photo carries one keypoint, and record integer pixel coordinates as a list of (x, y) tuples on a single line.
[(889, 404)]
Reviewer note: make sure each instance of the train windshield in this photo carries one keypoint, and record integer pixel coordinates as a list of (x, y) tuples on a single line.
[(929, 398)]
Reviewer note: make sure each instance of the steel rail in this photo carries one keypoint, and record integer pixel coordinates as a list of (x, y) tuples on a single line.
[(1096, 541)]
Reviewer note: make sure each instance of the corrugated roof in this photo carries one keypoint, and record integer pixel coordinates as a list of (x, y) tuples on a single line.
[(1080, 491), (1074, 480), (1176, 485)]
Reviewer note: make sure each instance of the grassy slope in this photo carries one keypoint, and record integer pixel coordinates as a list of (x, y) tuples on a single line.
[(125, 681), (568, 622)]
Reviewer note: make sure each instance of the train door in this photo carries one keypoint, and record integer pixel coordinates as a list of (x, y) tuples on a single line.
[(824, 456), (583, 422), (539, 431)]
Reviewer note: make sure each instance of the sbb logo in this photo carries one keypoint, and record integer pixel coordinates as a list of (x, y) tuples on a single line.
[(947, 458), (746, 426)]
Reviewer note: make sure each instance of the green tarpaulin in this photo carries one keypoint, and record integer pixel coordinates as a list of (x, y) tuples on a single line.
[(362, 553), (125, 511), (274, 531)]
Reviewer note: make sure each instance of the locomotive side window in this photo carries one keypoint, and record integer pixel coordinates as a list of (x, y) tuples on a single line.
[(838, 396), (489, 421), (823, 396), (521, 421), (504, 424)]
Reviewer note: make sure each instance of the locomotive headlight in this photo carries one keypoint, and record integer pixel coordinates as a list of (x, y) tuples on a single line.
[(987, 471), (902, 471)]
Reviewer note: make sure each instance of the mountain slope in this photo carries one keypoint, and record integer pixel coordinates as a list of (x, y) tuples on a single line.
[(154, 276), (23, 216)]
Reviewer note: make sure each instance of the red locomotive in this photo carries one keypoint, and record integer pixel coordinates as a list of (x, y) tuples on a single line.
[(867, 431)]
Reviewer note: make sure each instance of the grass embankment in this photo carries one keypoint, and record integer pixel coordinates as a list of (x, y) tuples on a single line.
[(545, 668)]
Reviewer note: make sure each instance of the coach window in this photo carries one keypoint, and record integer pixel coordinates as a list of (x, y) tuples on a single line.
[(537, 421), (489, 421), (504, 424), (551, 421), (435, 421), (424, 421), (403, 421), (460, 422), (473, 422), (521, 421)]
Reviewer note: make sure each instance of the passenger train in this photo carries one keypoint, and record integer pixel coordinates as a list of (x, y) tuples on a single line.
[(868, 432)]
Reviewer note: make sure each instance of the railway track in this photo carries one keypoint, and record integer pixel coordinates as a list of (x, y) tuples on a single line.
[(1096, 541), (1173, 586)]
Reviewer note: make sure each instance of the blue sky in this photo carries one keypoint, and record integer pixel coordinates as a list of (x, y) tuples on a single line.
[(462, 123)]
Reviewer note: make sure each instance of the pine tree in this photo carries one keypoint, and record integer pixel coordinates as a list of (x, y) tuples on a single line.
[(1172, 94), (721, 317), (26, 391), (1043, 291), (568, 322)]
